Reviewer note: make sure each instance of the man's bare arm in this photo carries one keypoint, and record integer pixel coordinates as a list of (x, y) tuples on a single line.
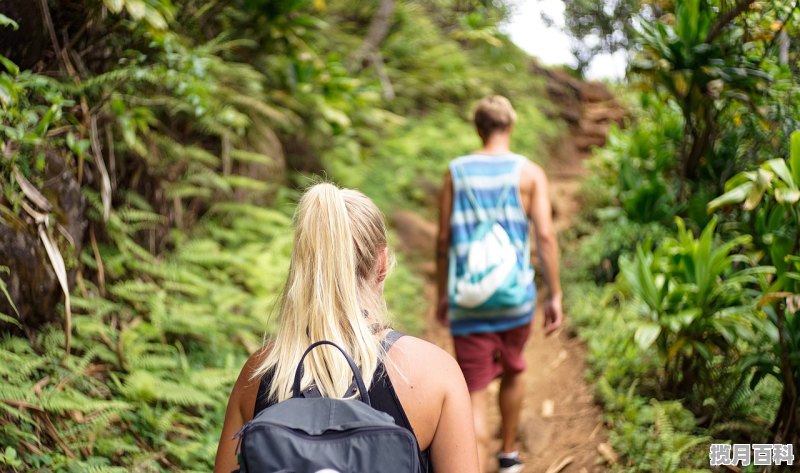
[(547, 244)]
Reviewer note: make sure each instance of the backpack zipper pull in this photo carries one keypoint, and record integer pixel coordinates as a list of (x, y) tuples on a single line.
[(240, 432), (238, 435)]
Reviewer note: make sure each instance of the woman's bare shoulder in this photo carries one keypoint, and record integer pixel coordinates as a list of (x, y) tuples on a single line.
[(423, 361)]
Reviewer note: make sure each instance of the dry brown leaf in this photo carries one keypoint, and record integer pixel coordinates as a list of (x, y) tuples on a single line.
[(562, 357), (548, 407), (31, 192), (556, 467), (608, 453), (57, 261), (105, 181)]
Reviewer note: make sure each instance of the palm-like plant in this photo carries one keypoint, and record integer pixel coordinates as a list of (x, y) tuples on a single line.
[(698, 58), (770, 196), (693, 302)]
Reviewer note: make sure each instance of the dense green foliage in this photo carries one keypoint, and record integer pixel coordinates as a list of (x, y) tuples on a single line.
[(189, 129), (690, 239)]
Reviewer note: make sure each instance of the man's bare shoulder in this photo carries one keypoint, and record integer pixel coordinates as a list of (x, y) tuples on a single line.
[(531, 174)]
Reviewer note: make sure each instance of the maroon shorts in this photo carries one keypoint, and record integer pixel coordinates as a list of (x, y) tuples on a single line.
[(485, 356)]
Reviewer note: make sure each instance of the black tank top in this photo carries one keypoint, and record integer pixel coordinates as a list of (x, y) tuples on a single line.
[(382, 396)]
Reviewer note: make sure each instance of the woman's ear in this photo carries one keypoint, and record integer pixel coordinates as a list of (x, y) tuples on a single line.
[(383, 264)]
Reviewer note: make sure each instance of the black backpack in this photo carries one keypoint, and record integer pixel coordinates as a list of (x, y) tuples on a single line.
[(315, 434)]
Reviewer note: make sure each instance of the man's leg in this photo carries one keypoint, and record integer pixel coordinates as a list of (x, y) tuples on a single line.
[(479, 406), (475, 354), (512, 390), (512, 384)]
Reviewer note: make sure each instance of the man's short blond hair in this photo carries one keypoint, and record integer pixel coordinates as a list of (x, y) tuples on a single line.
[(493, 114)]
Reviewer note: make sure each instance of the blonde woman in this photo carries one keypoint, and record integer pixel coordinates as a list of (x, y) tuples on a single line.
[(334, 292)]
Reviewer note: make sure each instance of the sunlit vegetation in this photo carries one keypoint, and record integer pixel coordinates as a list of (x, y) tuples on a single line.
[(690, 237), (152, 152)]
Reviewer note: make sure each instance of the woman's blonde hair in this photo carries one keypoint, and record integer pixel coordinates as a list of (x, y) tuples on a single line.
[(333, 292)]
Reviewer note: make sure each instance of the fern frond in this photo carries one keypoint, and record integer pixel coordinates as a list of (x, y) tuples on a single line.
[(663, 423), (246, 156)]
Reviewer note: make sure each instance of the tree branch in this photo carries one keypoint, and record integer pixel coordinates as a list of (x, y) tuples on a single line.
[(378, 29), (782, 29), (726, 18), (48, 21), (386, 84)]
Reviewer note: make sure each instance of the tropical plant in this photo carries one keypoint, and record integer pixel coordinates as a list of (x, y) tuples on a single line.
[(649, 434), (705, 55), (637, 166), (177, 125), (698, 58), (695, 304), (770, 197)]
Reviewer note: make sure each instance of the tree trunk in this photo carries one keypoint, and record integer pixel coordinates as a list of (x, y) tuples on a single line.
[(31, 281), (26, 45), (697, 139)]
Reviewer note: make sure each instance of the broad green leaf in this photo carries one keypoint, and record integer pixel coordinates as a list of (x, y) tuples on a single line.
[(702, 350), (676, 347), (733, 196), (6, 21), (114, 6), (647, 282), (646, 334), (787, 196), (136, 8), (9, 65), (779, 167), (686, 317), (740, 179), (760, 186), (8, 319), (155, 19), (794, 156), (47, 119), (5, 93)]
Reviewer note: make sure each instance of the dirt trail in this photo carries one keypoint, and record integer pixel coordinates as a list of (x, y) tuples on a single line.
[(573, 428)]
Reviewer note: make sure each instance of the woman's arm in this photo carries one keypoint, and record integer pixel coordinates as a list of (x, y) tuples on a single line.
[(240, 410), (454, 448), (434, 396)]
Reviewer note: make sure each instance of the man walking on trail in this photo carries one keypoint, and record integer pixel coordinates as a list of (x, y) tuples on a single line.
[(484, 275)]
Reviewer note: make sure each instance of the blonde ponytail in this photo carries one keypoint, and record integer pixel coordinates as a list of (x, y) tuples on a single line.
[(332, 292)]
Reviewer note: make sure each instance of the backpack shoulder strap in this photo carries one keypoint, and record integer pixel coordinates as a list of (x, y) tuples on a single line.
[(386, 344), (390, 339), (481, 213), (506, 191), (459, 173)]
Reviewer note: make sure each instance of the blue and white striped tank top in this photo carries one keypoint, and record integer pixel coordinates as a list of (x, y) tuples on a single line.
[(487, 176)]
